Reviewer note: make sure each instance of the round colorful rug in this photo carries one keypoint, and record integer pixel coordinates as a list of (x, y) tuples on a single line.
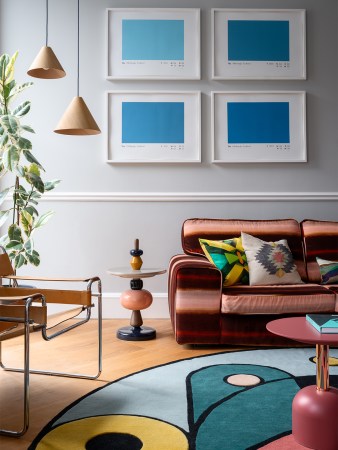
[(230, 400)]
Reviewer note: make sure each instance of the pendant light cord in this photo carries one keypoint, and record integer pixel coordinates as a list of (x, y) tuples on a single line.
[(78, 47), (46, 23)]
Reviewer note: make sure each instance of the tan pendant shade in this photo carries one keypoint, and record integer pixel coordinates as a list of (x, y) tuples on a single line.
[(77, 120), (46, 65)]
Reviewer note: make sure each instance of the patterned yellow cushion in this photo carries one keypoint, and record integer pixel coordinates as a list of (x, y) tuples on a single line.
[(229, 257)]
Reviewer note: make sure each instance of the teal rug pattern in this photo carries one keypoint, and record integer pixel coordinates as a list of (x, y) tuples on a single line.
[(191, 405)]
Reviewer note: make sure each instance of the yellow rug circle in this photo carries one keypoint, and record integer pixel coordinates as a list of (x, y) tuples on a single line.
[(74, 435)]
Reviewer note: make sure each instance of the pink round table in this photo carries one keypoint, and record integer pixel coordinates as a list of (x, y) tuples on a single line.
[(314, 408)]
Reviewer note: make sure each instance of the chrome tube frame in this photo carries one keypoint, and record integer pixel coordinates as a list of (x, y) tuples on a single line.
[(27, 322), (48, 338)]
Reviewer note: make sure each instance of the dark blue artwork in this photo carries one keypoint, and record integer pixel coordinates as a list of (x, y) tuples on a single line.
[(258, 123), (258, 40)]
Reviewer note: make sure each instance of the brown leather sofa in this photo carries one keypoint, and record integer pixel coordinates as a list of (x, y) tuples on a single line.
[(204, 312)]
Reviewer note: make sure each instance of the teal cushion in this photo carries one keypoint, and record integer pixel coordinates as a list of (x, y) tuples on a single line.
[(328, 271)]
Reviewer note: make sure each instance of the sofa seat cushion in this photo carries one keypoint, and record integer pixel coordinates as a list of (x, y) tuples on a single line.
[(278, 299), (334, 288)]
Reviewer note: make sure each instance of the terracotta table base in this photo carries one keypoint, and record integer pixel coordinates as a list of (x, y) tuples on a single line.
[(314, 408)]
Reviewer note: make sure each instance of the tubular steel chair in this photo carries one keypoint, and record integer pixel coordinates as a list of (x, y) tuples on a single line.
[(32, 321), (17, 316)]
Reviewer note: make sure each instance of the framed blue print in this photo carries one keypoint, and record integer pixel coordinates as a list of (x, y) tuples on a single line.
[(154, 126), (153, 43), (258, 44), (258, 127)]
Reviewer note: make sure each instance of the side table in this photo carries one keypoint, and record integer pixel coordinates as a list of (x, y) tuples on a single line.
[(136, 298), (314, 408)]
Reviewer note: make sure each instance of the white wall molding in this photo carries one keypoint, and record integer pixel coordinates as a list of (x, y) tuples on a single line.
[(188, 196)]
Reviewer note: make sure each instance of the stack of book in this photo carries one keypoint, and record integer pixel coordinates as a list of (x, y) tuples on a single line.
[(324, 323)]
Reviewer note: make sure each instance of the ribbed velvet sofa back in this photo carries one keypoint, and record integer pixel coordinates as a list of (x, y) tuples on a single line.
[(267, 230), (320, 240)]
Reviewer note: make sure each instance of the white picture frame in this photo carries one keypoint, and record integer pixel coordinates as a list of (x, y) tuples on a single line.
[(154, 127), (153, 44), (258, 126), (259, 44)]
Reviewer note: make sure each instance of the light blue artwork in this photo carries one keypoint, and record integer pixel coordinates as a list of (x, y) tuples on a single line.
[(153, 122), (258, 40), (258, 123), (153, 40)]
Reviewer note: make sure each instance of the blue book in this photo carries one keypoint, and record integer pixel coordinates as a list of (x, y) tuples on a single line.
[(324, 323)]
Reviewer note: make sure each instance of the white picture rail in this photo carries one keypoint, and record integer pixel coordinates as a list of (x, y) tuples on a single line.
[(153, 43), (154, 127), (258, 44), (258, 127)]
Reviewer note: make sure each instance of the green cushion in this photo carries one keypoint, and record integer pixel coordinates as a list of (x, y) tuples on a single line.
[(229, 257), (328, 271)]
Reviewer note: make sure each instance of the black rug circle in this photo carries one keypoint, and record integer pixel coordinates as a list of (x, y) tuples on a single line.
[(114, 441)]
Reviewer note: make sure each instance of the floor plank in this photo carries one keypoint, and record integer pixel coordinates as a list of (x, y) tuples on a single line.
[(76, 350)]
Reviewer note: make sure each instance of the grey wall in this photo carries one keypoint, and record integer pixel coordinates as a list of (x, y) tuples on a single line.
[(96, 220)]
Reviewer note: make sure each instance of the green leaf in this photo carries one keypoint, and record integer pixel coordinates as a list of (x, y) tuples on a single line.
[(34, 168), (24, 143), (34, 258), (22, 109), (3, 239), (32, 211), (26, 222), (31, 158), (14, 233), (8, 88), (20, 171), (27, 128), (4, 60), (43, 219), (9, 72), (19, 88), (14, 245), (3, 195), (19, 261), (29, 246), (11, 158), (10, 123), (4, 216), (3, 140), (49, 185), (35, 181)]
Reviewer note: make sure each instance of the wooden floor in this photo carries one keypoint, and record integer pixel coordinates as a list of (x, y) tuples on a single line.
[(76, 351)]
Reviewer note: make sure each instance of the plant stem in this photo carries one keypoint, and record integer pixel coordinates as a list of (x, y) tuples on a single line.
[(16, 216)]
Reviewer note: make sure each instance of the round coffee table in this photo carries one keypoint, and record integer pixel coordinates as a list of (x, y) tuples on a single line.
[(136, 298), (314, 408)]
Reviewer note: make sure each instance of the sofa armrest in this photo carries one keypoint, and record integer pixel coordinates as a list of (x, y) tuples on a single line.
[(194, 294)]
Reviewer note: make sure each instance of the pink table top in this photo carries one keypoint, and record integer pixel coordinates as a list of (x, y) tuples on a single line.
[(298, 329)]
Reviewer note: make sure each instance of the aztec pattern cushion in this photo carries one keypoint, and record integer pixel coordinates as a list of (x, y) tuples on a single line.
[(229, 257), (320, 241), (328, 271), (269, 262)]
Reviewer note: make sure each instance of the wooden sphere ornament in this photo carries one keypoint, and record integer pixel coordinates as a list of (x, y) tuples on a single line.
[(136, 260)]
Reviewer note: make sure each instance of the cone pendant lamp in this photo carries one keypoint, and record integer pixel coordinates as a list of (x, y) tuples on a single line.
[(46, 65), (77, 120)]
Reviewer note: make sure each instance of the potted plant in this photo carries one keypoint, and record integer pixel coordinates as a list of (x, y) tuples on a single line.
[(20, 170)]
